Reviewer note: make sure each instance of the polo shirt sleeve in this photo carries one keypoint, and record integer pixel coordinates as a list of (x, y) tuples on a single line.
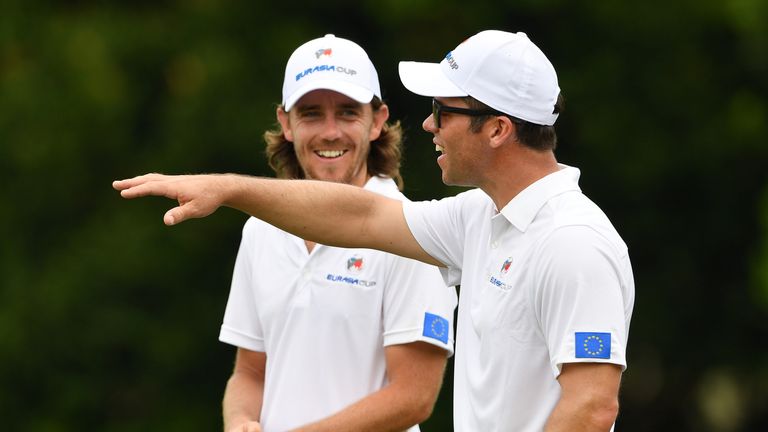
[(439, 227), (241, 326), (579, 297), (417, 305)]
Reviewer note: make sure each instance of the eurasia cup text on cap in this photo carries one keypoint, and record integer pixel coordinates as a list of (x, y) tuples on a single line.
[(503, 70), (330, 63)]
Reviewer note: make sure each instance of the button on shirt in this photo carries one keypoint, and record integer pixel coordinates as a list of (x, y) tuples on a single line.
[(546, 281), (324, 317)]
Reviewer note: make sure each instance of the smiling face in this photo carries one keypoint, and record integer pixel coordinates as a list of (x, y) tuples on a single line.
[(459, 159), (331, 134)]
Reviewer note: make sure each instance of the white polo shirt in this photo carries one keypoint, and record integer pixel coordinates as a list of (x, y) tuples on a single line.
[(323, 318), (544, 282)]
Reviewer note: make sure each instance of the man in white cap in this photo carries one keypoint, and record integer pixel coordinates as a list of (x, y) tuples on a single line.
[(330, 338), (546, 283)]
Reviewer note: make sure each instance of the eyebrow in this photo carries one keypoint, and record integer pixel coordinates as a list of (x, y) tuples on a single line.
[(352, 105)]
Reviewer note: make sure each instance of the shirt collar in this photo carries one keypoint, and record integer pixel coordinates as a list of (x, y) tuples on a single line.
[(379, 184), (524, 207)]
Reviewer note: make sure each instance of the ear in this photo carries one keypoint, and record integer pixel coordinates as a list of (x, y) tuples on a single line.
[(500, 130), (285, 123), (380, 117)]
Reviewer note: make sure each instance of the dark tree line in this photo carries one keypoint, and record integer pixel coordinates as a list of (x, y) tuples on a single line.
[(109, 320)]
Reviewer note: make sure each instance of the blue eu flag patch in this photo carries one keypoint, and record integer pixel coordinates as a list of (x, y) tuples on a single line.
[(593, 345), (435, 327)]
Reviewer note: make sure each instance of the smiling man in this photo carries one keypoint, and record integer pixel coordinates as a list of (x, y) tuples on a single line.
[(547, 290), (329, 338)]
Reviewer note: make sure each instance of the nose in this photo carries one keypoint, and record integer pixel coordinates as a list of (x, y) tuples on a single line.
[(331, 130), (429, 124)]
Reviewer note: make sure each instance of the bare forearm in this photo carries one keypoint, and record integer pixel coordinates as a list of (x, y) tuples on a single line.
[(329, 213), (580, 418), (309, 209), (242, 401), (385, 410), (589, 398)]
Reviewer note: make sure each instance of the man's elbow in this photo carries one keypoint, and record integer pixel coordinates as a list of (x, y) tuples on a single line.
[(604, 413), (421, 407), (421, 412)]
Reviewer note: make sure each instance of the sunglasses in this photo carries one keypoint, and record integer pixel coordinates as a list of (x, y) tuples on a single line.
[(438, 108)]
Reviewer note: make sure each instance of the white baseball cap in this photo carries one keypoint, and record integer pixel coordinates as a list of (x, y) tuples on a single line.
[(330, 63), (503, 70)]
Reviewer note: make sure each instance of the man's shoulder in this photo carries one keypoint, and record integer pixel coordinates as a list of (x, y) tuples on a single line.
[(575, 208), (473, 203), (578, 218), (471, 197)]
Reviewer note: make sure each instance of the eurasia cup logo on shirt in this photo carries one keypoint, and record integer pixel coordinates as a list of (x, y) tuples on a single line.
[(499, 281), (505, 267), (355, 264)]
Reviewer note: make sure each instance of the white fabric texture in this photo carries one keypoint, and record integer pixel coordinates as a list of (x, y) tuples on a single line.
[(324, 317), (548, 267)]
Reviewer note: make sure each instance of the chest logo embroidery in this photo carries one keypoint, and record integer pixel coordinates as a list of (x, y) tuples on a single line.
[(502, 271), (505, 267), (355, 263)]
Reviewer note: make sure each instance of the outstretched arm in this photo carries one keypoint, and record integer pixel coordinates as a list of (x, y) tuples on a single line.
[(329, 213)]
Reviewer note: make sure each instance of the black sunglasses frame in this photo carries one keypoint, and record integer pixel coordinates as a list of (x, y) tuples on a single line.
[(438, 108)]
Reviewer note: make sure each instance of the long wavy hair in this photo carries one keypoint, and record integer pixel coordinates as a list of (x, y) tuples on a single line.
[(383, 159)]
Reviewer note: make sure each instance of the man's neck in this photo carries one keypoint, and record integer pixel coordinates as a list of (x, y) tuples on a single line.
[(511, 176)]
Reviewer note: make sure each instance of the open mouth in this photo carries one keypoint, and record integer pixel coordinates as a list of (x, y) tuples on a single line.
[(330, 154)]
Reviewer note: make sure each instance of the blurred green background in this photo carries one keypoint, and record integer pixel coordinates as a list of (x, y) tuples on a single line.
[(109, 319)]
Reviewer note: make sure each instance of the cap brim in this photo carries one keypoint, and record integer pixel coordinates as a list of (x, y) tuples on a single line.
[(350, 90), (427, 79)]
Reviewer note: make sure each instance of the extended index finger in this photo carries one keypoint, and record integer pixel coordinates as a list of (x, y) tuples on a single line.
[(135, 181), (146, 185)]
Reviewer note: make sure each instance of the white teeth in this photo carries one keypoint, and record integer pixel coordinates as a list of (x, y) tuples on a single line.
[(330, 153), (438, 148)]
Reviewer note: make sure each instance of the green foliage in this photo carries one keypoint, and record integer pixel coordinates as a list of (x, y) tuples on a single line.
[(109, 320)]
